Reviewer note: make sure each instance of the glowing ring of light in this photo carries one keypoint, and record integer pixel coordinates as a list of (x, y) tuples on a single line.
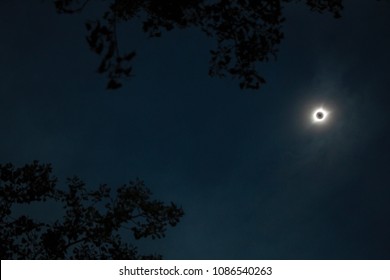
[(319, 115)]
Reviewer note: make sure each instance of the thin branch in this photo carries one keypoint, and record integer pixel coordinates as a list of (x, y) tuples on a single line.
[(78, 10)]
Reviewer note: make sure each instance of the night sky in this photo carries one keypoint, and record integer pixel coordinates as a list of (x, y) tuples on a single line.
[(256, 177)]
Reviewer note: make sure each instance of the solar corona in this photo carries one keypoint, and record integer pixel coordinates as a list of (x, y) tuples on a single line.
[(320, 115)]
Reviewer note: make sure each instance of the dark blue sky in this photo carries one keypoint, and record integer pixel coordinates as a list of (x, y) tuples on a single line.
[(256, 178)]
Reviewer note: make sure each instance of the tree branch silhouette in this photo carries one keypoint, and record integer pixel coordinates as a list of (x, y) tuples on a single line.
[(247, 32), (92, 224)]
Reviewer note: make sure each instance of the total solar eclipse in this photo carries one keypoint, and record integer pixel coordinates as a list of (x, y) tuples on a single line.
[(320, 115)]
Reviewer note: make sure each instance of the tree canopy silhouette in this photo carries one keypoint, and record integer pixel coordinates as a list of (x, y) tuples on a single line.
[(92, 220), (247, 32)]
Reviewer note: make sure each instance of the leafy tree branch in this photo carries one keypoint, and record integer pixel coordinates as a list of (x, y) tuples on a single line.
[(92, 224), (246, 32)]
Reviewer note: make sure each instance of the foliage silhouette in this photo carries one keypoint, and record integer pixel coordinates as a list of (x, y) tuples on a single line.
[(247, 32), (92, 221)]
